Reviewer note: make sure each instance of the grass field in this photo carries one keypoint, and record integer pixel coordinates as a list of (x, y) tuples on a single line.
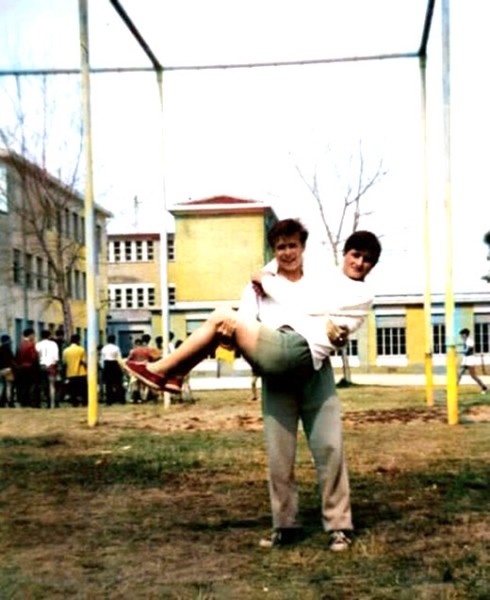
[(156, 503)]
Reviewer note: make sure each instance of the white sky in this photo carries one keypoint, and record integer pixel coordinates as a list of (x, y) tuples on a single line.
[(244, 132)]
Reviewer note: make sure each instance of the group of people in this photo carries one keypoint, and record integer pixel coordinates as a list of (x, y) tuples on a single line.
[(48, 371), (42, 372)]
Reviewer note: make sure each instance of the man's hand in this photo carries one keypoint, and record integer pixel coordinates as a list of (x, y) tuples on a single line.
[(226, 327), (337, 334), (256, 279)]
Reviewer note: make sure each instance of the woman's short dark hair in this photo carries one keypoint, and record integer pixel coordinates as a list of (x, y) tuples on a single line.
[(287, 228), (364, 241)]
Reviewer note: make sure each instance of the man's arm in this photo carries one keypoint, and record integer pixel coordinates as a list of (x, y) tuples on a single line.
[(249, 304)]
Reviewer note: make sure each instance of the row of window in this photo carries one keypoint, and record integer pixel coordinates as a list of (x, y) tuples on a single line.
[(35, 273), (392, 341), (137, 250), (131, 296)]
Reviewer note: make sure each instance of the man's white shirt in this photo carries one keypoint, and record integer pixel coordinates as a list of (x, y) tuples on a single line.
[(306, 304), (48, 352)]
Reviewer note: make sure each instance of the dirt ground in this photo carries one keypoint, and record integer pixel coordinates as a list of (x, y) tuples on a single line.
[(117, 512)]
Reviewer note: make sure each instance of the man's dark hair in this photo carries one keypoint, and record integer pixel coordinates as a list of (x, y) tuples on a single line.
[(364, 241), (45, 334), (75, 339), (28, 331), (111, 339), (287, 228), (464, 331)]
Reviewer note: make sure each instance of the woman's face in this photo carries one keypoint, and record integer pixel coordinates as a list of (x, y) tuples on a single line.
[(288, 251), (357, 264)]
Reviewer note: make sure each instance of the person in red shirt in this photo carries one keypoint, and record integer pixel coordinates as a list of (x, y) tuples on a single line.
[(27, 370)]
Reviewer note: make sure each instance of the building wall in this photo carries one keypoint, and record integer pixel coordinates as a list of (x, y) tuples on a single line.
[(26, 298), (215, 255)]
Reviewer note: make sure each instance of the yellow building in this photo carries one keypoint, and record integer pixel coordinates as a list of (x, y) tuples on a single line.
[(219, 242), (42, 242)]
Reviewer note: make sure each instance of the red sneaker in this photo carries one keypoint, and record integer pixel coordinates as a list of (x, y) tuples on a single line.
[(174, 384), (153, 380), (139, 370)]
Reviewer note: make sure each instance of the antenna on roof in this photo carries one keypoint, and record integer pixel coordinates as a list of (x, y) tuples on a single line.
[(136, 204)]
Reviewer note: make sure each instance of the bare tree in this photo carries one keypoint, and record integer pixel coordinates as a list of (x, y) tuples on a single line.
[(353, 185), (341, 214), (45, 211)]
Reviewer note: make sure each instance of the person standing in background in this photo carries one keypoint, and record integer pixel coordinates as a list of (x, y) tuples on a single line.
[(27, 372), (112, 374), (469, 360), (7, 372), (49, 357), (75, 361)]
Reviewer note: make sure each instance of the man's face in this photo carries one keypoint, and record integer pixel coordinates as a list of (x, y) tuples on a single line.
[(288, 251), (357, 264)]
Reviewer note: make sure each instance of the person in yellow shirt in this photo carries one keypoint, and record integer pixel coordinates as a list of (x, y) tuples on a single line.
[(75, 361)]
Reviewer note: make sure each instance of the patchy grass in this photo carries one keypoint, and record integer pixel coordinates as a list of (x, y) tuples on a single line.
[(160, 503)]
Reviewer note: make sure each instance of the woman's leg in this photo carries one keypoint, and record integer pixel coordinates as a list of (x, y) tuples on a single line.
[(221, 324), (474, 376)]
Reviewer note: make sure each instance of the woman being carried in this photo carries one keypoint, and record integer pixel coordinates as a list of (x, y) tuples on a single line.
[(303, 327)]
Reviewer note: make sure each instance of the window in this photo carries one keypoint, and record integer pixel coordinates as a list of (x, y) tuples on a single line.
[(76, 285), (118, 298), (171, 295), (117, 251), (140, 297), (352, 349), (39, 274), (439, 338), (129, 298), (390, 341), (59, 222), (4, 203), (150, 250), (16, 268), (127, 251), (67, 223), (171, 246), (151, 296), (51, 278), (28, 271), (76, 228), (84, 285), (391, 335), (69, 283), (482, 337), (139, 250)]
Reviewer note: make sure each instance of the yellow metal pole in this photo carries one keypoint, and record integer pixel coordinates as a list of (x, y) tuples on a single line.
[(429, 377), (163, 241), (451, 364), (89, 220)]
